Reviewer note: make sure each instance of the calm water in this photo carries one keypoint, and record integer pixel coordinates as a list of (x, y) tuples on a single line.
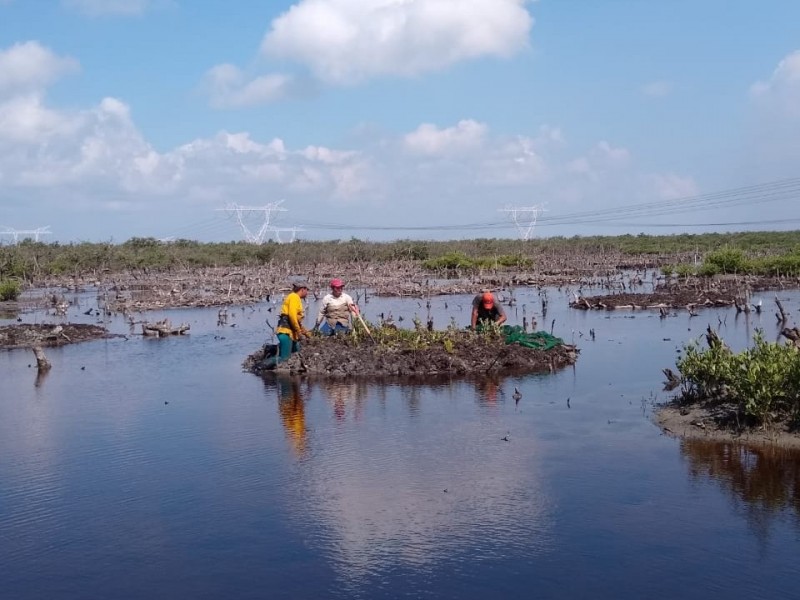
[(142, 468)]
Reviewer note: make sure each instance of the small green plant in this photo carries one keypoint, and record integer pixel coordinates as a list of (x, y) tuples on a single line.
[(9, 290), (667, 270)]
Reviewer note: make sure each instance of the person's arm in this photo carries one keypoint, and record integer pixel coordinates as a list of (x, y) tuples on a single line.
[(295, 315), (474, 319), (351, 305), (501, 314), (321, 313)]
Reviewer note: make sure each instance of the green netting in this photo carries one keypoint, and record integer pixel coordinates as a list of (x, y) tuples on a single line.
[(539, 340)]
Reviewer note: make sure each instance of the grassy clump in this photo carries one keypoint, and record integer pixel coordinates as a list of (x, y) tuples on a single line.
[(453, 261), (9, 290), (762, 381)]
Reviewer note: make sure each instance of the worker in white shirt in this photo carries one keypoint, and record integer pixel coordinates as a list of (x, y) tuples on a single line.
[(335, 311)]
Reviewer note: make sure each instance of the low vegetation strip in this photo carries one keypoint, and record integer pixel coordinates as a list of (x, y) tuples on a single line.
[(763, 253)]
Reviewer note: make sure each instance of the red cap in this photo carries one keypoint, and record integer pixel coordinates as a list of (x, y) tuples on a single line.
[(488, 300), (337, 283)]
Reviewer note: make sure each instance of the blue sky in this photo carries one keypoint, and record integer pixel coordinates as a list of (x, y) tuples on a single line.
[(387, 119)]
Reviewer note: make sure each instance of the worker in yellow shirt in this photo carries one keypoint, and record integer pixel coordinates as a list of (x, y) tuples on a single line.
[(290, 326)]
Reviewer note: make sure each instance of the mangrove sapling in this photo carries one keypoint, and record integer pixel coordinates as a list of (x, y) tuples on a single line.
[(762, 382)]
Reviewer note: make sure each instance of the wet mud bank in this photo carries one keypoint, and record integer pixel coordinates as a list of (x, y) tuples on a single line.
[(697, 293), (716, 421), (25, 335), (460, 354)]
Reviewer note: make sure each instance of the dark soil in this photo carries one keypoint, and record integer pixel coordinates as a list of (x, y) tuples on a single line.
[(341, 356), (28, 335)]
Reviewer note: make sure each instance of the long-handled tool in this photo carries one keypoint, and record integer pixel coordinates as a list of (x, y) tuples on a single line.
[(358, 314)]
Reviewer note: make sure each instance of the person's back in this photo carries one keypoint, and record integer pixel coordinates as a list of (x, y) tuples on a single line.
[(486, 309)]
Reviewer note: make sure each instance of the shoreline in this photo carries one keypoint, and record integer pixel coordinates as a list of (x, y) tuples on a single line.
[(707, 421)]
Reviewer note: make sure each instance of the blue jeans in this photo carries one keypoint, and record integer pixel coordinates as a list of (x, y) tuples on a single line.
[(326, 329)]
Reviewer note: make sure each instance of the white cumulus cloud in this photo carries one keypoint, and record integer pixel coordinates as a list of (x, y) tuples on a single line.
[(229, 87), (346, 41), (430, 140), (781, 91), (30, 66)]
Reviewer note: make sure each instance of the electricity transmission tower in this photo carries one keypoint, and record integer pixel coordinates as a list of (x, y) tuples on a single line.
[(26, 233), (277, 232), (248, 216), (524, 218)]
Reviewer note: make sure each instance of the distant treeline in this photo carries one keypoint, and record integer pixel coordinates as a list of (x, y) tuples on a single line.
[(751, 251)]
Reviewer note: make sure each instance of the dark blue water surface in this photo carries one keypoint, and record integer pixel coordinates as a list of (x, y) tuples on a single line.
[(142, 468)]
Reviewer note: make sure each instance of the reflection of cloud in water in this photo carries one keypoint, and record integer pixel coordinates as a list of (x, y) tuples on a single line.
[(763, 481), (377, 487)]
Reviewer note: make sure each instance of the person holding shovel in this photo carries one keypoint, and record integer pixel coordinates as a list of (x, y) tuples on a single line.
[(290, 326), (335, 311)]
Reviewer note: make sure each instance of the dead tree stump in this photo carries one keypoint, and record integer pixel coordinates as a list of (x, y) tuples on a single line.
[(42, 364)]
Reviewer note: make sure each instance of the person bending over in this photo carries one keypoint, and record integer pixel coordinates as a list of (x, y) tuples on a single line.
[(485, 309)]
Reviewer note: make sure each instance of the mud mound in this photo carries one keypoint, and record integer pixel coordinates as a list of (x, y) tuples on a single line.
[(454, 353), (662, 299), (29, 335)]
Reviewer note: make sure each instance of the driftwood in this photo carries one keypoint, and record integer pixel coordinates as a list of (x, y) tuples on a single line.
[(792, 334), (782, 318), (42, 364), (672, 381), (164, 328)]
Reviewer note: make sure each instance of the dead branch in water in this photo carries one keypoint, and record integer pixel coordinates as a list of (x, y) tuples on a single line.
[(164, 328)]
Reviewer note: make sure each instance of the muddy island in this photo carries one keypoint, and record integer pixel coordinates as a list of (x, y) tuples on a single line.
[(411, 354), (26, 335)]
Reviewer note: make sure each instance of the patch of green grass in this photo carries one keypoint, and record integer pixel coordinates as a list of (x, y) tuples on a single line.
[(9, 290)]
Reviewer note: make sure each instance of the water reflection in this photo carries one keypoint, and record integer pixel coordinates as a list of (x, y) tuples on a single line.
[(488, 390), (8, 312), (764, 481), (293, 415), (345, 396), (410, 476)]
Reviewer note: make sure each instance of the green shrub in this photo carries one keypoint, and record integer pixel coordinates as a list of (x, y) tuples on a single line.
[(727, 260), (684, 270), (763, 381), (449, 261), (667, 270), (709, 270), (9, 290)]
